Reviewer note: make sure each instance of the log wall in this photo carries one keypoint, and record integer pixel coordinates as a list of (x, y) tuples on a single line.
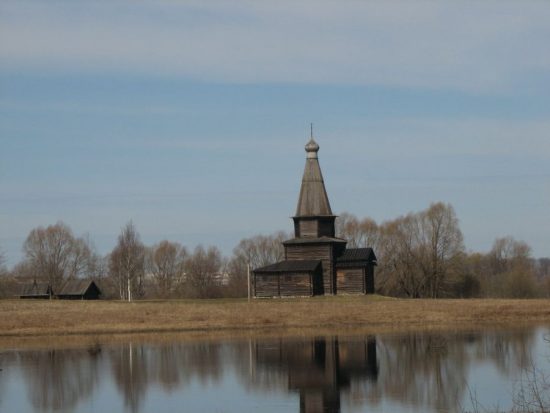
[(283, 285), (350, 281), (266, 286), (309, 228), (370, 279), (321, 252)]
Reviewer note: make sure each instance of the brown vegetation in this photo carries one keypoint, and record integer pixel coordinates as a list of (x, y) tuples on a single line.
[(421, 255), (41, 318)]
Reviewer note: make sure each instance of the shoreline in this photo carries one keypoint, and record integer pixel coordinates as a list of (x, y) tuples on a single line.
[(103, 321)]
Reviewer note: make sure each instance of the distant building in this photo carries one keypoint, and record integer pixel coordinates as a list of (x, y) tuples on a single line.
[(72, 290), (36, 291), (79, 290), (316, 261)]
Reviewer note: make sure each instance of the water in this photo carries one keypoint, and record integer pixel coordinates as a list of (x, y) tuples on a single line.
[(413, 372)]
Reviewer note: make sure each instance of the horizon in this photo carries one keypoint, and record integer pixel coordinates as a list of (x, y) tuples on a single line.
[(190, 119)]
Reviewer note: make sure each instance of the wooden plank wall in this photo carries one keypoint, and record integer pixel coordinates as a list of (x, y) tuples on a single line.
[(296, 285), (350, 281), (266, 286), (308, 228), (321, 252), (370, 279), (283, 285)]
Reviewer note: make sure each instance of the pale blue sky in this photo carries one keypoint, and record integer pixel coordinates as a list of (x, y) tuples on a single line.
[(190, 119)]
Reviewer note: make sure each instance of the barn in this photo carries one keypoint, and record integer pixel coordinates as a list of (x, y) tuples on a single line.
[(79, 290), (36, 290), (316, 261)]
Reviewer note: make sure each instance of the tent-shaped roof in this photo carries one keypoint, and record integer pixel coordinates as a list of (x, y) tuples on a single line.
[(313, 200)]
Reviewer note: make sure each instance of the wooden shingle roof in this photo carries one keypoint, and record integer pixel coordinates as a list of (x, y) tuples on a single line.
[(320, 240), (76, 287), (356, 257), (290, 266), (35, 289), (313, 200)]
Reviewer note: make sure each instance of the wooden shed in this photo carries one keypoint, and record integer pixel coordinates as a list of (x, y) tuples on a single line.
[(36, 290), (289, 279), (79, 290)]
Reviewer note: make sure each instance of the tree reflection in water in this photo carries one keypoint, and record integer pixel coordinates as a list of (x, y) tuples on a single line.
[(59, 379), (421, 370)]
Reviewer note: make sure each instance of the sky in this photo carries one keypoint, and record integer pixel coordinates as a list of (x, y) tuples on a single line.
[(189, 117)]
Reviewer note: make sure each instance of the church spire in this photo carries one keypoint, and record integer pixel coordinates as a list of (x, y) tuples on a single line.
[(313, 200)]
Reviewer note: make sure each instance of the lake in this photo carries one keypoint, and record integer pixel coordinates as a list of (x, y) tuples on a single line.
[(409, 372)]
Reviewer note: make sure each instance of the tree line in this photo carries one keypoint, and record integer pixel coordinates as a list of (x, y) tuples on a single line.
[(420, 255)]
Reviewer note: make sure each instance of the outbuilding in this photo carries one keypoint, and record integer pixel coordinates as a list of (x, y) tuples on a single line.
[(79, 290), (36, 290)]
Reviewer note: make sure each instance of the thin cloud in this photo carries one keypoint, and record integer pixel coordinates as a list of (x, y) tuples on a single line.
[(468, 46)]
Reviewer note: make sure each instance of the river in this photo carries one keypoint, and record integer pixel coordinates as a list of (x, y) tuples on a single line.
[(410, 372)]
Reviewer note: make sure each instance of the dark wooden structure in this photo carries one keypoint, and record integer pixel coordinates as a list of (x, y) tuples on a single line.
[(79, 290), (36, 290), (316, 261), (289, 279), (319, 369), (355, 271)]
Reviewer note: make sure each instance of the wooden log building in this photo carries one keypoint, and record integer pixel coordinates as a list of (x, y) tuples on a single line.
[(71, 290), (36, 290), (79, 290), (316, 261)]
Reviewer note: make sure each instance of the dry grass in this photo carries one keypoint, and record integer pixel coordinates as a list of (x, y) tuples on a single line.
[(45, 320)]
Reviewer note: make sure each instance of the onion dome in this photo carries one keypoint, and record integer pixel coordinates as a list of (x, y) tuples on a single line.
[(312, 148)]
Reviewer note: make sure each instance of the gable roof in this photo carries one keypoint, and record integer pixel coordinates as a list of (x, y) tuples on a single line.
[(77, 287), (356, 256), (290, 266), (35, 289)]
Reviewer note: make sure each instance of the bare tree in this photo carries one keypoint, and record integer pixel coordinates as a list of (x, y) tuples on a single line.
[(256, 251), (7, 283), (508, 253), (127, 263), (420, 253), (166, 263), (3, 269), (359, 233), (54, 254), (441, 247), (202, 269), (512, 273), (399, 273)]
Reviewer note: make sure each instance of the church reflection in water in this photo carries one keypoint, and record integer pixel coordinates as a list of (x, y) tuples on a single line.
[(319, 369)]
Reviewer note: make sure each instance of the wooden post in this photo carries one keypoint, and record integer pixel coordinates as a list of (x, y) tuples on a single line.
[(248, 279)]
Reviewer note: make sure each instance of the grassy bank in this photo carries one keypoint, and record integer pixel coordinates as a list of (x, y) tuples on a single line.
[(26, 318)]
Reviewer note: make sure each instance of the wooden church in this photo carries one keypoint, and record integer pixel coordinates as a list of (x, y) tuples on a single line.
[(316, 261)]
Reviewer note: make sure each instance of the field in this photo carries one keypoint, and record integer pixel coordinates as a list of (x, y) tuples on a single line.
[(42, 321)]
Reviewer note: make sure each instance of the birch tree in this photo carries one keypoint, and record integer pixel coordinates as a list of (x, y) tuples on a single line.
[(127, 263)]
